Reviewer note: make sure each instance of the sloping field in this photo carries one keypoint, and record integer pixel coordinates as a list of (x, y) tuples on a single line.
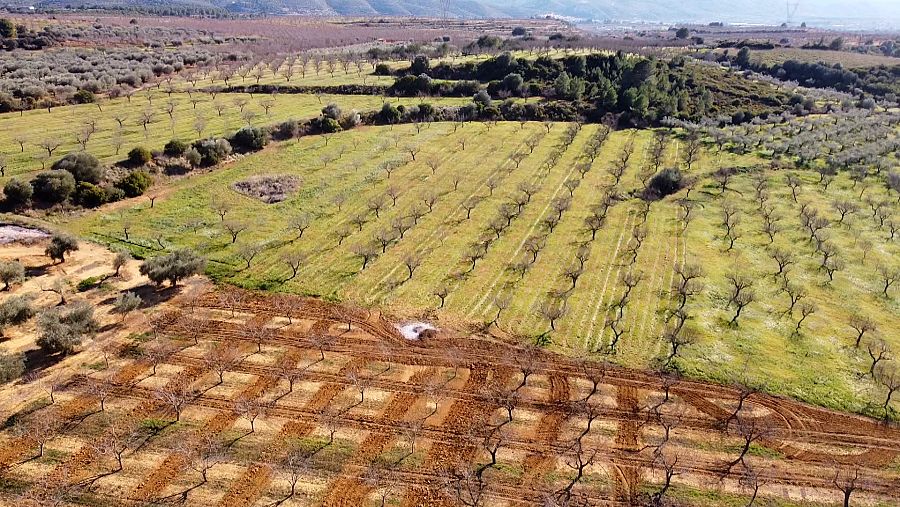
[(333, 407), (222, 114), (495, 217)]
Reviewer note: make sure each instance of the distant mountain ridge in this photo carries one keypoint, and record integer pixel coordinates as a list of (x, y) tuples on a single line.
[(857, 13)]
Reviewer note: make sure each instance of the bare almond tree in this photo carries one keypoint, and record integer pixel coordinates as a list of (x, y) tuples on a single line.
[(176, 397), (250, 409), (220, 358), (294, 260), (862, 325), (846, 480)]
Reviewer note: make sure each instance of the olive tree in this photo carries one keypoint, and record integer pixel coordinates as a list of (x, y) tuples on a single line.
[(11, 272), (60, 245), (62, 330), (175, 266)]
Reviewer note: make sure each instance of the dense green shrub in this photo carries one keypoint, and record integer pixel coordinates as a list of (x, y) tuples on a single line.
[(389, 113), (135, 183), (15, 310), (332, 111), (53, 186), (192, 156), (420, 65), (18, 193), (88, 284), (288, 129), (382, 69), (127, 302), (84, 97), (250, 139), (82, 165), (114, 194), (663, 183), (7, 29), (329, 125), (139, 156), (212, 151), (175, 148), (482, 98), (89, 195)]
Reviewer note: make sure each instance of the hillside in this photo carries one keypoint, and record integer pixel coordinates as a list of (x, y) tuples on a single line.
[(863, 14)]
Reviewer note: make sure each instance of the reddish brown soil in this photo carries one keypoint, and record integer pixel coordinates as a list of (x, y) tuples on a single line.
[(808, 437)]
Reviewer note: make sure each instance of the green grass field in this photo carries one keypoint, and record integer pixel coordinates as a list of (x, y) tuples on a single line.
[(818, 364), (771, 57), (63, 125)]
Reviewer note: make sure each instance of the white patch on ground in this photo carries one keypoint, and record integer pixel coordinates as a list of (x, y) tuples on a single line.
[(13, 233), (414, 330)]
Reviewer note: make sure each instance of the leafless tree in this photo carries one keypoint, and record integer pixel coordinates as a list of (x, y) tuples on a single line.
[(784, 259), (234, 228), (888, 276), (492, 183), (750, 430), (429, 199), (297, 466), (294, 260), (579, 461), (667, 463), (220, 358), (321, 342), (795, 293), (176, 396), (257, 333), (375, 205), (157, 353), (20, 140), (366, 252), (442, 291), (751, 481), (688, 282), (202, 460), (846, 481), (385, 237), (359, 220), (413, 150), (221, 207), (249, 251), (342, 233), (862, 325), (412, 261), (888, 375), (433, 163), (250, 409), (464, 485), (845, 208), (50, 145), (501, 302), (39, 430)]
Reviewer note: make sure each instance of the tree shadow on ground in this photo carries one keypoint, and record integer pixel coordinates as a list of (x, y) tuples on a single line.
[(151, 295), (37, 360)]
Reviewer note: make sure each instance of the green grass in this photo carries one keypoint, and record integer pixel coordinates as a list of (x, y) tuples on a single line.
[(818, 365), (846, 58), (63, 124)]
